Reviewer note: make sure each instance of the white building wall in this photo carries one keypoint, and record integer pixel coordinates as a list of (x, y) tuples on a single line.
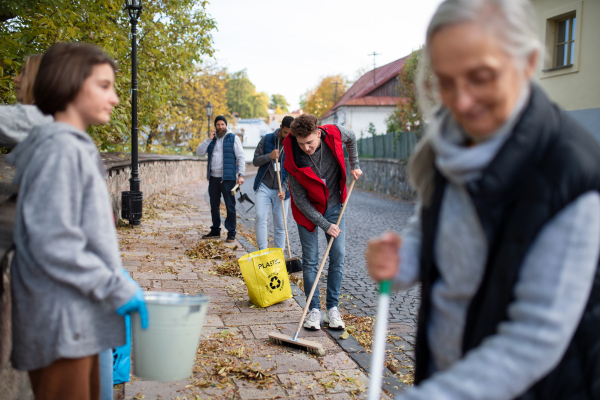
[(358, 118)]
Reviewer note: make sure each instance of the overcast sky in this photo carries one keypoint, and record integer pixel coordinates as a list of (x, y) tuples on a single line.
[(287, 46)]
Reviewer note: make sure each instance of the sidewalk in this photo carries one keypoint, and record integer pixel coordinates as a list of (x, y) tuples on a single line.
[(235, 359)]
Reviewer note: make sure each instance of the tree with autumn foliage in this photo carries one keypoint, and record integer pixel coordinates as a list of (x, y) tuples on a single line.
[(279, 102), (185, 123), (243, 98), (173, 37), (408, 116), (320, 99)]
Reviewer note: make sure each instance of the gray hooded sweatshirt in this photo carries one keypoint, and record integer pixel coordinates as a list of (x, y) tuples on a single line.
[(66, 274), (17, 120)]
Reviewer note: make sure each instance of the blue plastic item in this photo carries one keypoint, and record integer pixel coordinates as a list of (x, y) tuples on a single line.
[(122, 357), (136, 303)]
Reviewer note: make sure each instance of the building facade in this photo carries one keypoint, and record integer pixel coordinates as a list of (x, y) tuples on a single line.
[(370, 100), (568, 71)]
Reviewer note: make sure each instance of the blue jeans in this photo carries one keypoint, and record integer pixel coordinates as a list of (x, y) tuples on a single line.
[(310, 260), (267, 198), (106, 374)]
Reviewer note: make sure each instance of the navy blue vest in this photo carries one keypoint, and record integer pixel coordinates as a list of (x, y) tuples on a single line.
[(270, 145), (230, 167)]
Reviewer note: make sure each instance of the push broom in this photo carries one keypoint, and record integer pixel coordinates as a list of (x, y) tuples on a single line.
[(307, 345), (379, 341), (292, 264)]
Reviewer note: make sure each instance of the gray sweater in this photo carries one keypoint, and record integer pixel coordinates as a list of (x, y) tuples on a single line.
[(66, 276), (325, 166), (17, 120), (550, 295)]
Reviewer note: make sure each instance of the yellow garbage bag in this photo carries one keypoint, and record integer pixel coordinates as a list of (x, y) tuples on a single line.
[(266, 277)]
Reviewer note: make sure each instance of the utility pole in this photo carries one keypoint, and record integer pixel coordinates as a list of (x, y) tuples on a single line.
[(374, 54), (335, 83)]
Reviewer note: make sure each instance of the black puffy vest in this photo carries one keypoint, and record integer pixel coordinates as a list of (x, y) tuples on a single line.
[(548, 162)]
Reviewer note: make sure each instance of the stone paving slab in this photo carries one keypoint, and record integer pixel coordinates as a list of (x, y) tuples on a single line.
[(155, 255)]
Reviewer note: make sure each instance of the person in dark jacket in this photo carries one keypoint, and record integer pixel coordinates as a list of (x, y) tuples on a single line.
[(506, 236), (317, 173), (267, 156), (226, 166)]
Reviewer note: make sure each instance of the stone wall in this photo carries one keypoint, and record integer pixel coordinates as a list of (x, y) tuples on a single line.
[(385, 176), (157, 173)]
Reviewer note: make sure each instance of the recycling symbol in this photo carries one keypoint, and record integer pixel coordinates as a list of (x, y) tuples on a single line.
[(275, 283)]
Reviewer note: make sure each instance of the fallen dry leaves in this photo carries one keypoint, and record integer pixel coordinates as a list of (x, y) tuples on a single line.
[(224, 358)]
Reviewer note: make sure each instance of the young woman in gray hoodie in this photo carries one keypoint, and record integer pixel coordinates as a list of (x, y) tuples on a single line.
[(69, 291)]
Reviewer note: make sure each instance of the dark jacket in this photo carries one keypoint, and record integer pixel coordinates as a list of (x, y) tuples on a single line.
[(547, 163), (270, 144)]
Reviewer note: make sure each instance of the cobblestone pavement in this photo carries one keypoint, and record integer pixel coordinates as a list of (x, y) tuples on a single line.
[(236, 332), (367, 215)]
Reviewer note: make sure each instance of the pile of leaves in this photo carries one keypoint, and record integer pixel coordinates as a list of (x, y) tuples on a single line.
[(361, 328), (211, 250), (229, 268), (224, 358), (165, 202), (216, 250)]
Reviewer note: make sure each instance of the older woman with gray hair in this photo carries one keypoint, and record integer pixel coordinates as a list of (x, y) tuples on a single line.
[(506, 237)]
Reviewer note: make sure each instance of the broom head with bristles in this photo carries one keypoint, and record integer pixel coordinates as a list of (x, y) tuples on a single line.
[(293, 265), (306, 345)]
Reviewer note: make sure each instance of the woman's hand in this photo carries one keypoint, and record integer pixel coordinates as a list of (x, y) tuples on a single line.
[(356, 173), (382, 256)]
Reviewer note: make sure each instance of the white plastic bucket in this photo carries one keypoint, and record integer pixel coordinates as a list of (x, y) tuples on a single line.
[(166, 351)]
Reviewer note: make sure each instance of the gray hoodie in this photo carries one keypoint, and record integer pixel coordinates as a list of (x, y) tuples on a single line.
[(66, 274), (17, 120)]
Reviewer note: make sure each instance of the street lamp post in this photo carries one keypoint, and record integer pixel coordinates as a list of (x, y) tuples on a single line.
[(209, 109), (131, 201)]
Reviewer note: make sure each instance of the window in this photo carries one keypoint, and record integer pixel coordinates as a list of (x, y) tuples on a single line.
[(565, 41), (561, 35)]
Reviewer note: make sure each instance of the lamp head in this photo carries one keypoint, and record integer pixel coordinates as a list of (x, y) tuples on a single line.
[(134, 8), (209, 109)]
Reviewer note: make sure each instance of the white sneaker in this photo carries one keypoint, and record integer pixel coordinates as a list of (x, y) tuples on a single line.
[(334, 319), (313, 320)]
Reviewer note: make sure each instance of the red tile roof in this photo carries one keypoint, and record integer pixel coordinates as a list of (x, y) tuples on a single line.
[(373, 101), (357, 94)]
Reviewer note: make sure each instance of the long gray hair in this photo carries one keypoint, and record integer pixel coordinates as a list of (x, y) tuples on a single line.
[(513, 21)]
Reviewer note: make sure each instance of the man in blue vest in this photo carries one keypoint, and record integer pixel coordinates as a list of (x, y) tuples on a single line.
[(226, 165), (269, 152)]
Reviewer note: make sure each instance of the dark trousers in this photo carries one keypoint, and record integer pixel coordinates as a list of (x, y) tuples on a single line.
[(216, 188)]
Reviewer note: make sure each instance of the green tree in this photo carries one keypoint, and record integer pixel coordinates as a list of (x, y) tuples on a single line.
[(172, 38), (185, 124), (243, 98), (372, 131), (408, 116), (277, 100), (320, 99)]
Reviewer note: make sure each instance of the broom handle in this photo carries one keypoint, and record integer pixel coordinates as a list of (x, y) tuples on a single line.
[(287, 237), (331, 239)]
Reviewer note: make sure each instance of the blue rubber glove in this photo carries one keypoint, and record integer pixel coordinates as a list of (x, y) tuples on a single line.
[(126, 273), (136, 303)]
